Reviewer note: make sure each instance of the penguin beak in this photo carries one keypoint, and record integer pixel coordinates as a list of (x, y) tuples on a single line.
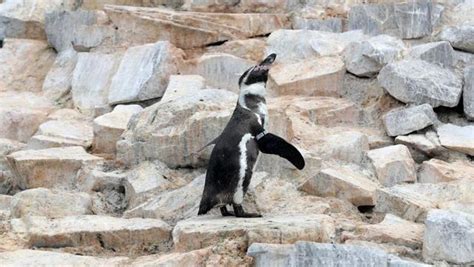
[(266, 63)]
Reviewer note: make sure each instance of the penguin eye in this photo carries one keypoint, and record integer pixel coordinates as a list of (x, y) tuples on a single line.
[(243, 76)]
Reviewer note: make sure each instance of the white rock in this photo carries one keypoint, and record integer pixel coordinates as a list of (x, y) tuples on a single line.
[(440, 53), (61, 133), (322, 76), (7, 146), (182, 85), (422, 146), (50, 168), (5, 201), (26, 257), (350, 146), (109, 127), (52, 204), (144, 72), (117, 234), (419, 82), (57, 83), (437, 171), (192, 258), (393, 164), (449, 237), (468, 92), (457, 138), (460, 36), (326, 25), (343, 184), (366, 58), (406, 120)]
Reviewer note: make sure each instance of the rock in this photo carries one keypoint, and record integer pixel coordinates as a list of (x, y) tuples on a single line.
[(32, 58), (57, 83), (468, 92), (393, 164), (326, 25), (52, 204), (406, 120), (92, 78), (109, 127), (349, 146), (144, 72), (296, 45), (304, 253), (322, 76), (186, 124), (117, 234), (188, 29), (62, 133), (422, 146), (222, 70), (440, 53), (249, 49), (26, 257), (21, 113), (50, 168), (342, 184), (457, 138), (207, 230), (5, 207), (7, 146), (406, 20), (193, 258), (419, 82), (366, 58), (460, 36), (182, 85), (437, 171), (449, 237)]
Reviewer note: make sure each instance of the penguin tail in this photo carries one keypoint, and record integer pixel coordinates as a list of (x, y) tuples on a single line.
[(205, 206)]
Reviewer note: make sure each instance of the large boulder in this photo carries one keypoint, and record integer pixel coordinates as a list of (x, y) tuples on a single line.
[(322, 76), (419, 82), (366, 58), (172, 131), (393, 164), (144, 72), (437, 171), (460, 36), (406, 120), (26, 257), (458, 138), (449, 237), (468, 92), (440, 53), (57, 83)]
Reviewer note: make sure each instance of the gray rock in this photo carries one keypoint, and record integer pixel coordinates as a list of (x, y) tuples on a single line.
[(422, 146), (57, 83), (182, 85), (460, 37), (366, 58), (405, 20), (449, 237), (393, 164), (437, 13), (457, 138), (406, 120), (468, 92), (440, 53), (62, 133), (325, 25), (419, 82), (26, 257)]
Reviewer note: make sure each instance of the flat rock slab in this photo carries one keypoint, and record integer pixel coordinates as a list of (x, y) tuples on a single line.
[(62, 133), (449, 237), (457, 138), (50, 168), (204, 231), (117, 234), (406, 120), (393, 164), (26, 257), (440, 53), (437, 171), (417, 81)]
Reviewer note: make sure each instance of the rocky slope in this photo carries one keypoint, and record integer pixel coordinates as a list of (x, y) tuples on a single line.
[(104, 103)]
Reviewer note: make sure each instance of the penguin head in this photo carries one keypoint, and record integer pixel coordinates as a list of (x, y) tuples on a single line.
[(257, 73)]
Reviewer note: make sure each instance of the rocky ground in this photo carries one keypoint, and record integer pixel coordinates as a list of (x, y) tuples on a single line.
[(103, 104)]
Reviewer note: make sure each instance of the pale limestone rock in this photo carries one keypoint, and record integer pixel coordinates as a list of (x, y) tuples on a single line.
[(172, 131), (366, 58), (50, 168), (422, 146), (207, 230), (25, 257), (109, 127), (440, 53), (182, 85), (457, 138), (460, 36), (393, 165), (343, 184), (144, 72), (437, 171), (5, 201), (222, 70), (117, 234), (32, 60), (67, 114), (188, 29), (48, 203), (468, 92), (449, 237), (91, 80), (326, 25), (297, 45), (250, 49), (419, 82), (192, 258), (57, 83), (350, 146), (62, 133), (406, 120), (7, 146), (21, 114), (321, 77)]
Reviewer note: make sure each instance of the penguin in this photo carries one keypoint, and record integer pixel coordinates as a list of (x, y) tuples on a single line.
[(236, 150)]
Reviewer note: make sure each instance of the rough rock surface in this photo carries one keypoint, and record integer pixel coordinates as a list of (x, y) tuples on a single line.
[(437, 171), (419, 82), (457, 138), (460, 36), (468, 92), (393, 164), (26, 257), (440, 53), (406, 120), (62, 133), (57, 83)]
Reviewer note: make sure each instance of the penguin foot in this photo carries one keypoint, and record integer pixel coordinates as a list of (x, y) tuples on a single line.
[(225, 212), (239, 212)]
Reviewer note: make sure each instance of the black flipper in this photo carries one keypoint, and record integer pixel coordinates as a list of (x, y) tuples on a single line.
[(213, 142), (273, 144)]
